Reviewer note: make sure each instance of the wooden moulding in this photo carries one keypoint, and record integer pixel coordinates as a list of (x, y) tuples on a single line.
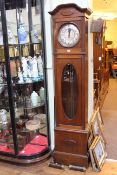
[(83, 10), (68, 158)]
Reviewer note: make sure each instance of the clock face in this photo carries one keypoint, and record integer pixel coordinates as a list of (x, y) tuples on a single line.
[(69, 35)]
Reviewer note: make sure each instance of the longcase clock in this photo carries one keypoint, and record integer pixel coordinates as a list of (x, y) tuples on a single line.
[(70, 43)]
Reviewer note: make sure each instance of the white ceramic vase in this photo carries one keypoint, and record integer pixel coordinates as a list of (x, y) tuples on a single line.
[(35, 98)]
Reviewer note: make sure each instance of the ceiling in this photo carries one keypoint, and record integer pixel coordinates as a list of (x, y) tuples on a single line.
[(107, 7)]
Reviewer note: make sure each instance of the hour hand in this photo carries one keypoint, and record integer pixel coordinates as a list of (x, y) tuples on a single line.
[(69, 31)]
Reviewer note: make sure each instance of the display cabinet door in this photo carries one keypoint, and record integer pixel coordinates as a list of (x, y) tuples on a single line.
[(24, 57), (6, 134), (68, 91)]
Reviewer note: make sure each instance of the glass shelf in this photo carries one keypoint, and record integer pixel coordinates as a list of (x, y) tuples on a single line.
[(24, 44), (23, 83), (31, 106)]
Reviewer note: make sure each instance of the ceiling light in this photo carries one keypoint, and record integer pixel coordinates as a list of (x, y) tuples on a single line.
[(107, 2)]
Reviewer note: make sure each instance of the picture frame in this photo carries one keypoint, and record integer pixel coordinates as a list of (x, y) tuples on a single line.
[(97, 125), (90, 137), (97, 130), (99, 152), (99, 115), (93, 162)]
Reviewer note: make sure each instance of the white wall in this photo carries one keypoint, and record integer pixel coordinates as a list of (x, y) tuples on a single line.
[(90, 67), (50, 5), (111, 32), (81, 3)]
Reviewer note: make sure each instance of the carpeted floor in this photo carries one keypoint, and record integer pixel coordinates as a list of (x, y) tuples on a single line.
[(109, 114)]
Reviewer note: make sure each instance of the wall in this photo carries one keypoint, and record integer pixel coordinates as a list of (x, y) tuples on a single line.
[(50, 5), (111, 32), (90, 68)]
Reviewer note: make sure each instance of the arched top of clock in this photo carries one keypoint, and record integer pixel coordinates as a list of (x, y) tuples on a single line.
[(85, 11)]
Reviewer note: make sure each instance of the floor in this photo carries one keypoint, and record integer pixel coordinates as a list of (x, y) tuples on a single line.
[(109, 168), (109, 114), (110, 129)]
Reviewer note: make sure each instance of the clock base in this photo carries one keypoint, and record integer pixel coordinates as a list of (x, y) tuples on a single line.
[(68, 159), (71, 147)]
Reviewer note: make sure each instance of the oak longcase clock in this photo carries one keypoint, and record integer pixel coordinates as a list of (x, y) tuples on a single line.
[(70, 43)]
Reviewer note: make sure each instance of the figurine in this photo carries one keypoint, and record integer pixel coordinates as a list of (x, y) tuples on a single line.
[(22, 34), (11, 37), (3, 116), (24, 68), (40, 65), (34, 71), (34, 36), (20, 76), (28, 80), (1, 80)]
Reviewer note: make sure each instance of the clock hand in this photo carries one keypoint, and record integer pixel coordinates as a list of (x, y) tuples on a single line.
[(69, 31)]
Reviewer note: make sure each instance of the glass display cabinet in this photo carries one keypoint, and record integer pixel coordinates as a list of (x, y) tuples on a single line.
[(24, 131)]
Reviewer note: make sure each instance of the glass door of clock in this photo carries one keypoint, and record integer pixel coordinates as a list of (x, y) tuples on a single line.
[(69, 91)]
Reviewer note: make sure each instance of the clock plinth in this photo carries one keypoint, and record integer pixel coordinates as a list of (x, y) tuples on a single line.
[(70, 44), (71, 146)]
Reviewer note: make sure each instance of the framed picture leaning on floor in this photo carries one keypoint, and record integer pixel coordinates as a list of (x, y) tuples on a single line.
[(96, 124), (90, 136), (97, 153)]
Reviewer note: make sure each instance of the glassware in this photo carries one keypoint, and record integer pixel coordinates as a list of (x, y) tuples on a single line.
[(33, 125)]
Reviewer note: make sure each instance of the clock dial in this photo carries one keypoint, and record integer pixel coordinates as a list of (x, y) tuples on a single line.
[(68, 35)]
